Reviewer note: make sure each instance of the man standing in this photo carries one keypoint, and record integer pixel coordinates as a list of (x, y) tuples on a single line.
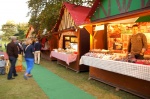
[(137, 43), (12, 52), (37, 47)]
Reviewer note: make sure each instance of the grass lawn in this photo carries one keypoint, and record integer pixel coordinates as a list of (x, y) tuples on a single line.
[(28, 89), (20, 88)]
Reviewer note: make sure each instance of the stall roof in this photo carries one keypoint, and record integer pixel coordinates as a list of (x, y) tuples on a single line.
[(93, 9), (139, 15), (78, 13)]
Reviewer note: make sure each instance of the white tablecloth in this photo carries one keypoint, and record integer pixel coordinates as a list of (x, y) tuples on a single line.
[(130, 69), (68, 58)]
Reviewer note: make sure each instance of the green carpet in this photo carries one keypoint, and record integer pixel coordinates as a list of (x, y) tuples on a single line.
[(56, 87)]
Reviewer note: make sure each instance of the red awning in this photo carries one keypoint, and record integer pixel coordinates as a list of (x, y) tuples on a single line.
[(78, 13)]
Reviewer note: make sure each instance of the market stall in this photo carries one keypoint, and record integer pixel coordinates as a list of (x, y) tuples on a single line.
[(71, 39), (116, 70), (45, 49)]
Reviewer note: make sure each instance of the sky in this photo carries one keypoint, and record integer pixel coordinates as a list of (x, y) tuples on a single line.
[(13, 10)]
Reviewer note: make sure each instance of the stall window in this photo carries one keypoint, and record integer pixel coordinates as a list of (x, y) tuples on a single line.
[(67, 39)]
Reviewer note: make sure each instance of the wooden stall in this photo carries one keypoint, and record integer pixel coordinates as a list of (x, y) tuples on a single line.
[(45, 50), (48, 44), (70, 36), (117, 12)]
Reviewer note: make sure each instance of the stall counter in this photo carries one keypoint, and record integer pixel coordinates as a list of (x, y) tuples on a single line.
[(134, 78)]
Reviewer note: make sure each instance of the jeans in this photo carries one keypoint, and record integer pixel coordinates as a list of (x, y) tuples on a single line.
[(12, 67), (2, 70), (30, 64)]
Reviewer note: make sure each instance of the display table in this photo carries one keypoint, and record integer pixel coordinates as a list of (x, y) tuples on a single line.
[(130, 69), (68, 58), (134, 78), (70, 61)]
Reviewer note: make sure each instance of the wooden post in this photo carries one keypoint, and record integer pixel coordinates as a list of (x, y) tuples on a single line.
[(89, 28)]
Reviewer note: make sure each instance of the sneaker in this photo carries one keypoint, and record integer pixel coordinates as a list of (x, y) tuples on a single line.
[(29, 75), (25, 77)]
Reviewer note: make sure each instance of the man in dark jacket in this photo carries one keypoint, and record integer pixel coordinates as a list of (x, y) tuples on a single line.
[(12, 52)]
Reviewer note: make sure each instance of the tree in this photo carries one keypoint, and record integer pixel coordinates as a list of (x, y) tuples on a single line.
[(22, 30), (35, 7), (9, 29), (12, 29)]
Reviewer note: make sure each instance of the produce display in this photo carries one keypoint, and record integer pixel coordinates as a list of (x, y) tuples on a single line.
[(108, 55), (66, 51)]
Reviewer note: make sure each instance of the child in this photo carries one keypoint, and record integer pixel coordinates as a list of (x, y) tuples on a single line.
[(2, 65)]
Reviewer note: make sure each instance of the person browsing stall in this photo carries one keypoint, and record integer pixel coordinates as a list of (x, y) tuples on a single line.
[(137, 43), (29, 58)]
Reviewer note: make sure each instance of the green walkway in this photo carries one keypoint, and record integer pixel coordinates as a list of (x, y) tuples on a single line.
[(56, 87)]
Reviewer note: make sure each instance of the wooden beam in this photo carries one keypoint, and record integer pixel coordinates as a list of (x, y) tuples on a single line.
[(91, 42), (65, 19), (69, 20), (63, 22), (94, 34), (89, 28)]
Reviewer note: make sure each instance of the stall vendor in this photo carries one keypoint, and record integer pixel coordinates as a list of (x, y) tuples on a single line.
[(137, 43)]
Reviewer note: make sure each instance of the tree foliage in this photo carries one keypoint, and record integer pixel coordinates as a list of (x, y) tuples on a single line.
[(12, 29), (44, 13), (22, 30), (9, 29)]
